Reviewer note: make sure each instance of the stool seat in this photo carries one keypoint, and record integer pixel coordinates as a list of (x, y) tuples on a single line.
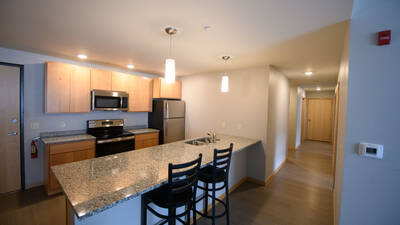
[(159, 196), (206, 175)]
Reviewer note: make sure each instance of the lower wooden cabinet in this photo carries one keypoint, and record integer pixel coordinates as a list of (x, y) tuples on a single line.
[(56, 154), (146, 140)]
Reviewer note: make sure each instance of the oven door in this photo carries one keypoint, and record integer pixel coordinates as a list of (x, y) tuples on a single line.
[(114, 145), (109, 100)]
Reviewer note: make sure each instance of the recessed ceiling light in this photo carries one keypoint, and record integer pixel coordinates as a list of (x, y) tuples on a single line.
[(308, 73), (318, 88), (130, 66), (82, 56)]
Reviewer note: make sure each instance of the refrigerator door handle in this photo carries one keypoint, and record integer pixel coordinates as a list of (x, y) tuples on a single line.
[(167, 109), (166, 127)]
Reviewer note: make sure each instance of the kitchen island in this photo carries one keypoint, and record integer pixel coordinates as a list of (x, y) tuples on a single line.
[(107, 190)]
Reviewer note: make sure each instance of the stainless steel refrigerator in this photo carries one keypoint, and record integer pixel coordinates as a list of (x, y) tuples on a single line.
[(168, 116)]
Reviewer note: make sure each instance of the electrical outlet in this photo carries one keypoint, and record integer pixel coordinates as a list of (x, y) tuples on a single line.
[(223, 124), (35, 125)]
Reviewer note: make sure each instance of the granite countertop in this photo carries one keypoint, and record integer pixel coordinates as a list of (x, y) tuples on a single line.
[(143, 131), (94, 185), (58, 137), (67, 138)]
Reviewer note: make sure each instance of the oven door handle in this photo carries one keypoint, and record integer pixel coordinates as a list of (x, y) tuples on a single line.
[(115, 139)]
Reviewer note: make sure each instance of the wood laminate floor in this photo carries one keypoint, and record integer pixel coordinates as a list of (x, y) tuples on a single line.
[(300, 194)]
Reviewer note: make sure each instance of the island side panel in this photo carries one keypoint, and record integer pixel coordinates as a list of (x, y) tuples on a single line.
[(128, 212)]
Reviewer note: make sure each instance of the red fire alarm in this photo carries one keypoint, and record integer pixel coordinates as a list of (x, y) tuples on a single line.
[(384, 37)]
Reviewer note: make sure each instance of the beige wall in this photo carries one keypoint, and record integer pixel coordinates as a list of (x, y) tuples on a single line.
[(320, 94), (257, 104), (294, 128), (242, 111), (278, 114)]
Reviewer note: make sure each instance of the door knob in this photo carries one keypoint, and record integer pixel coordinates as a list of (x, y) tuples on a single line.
[(12, 133), (14, 120)]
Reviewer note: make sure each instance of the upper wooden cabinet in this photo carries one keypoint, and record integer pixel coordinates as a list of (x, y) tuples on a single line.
[(57, 87), (119, 81), (80, 89), (66, 88), (162, 89), (140, 94), (100, 79)]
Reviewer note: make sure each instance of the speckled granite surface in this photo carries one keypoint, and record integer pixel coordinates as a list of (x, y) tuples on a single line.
[(69, 138), (143, 131), (95, 185)]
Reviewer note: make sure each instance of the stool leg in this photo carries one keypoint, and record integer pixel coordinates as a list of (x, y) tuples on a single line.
[(213, 203), (205, 201), (194, 211), (171, 216), (227, 202), (187, 216), (143, 218)]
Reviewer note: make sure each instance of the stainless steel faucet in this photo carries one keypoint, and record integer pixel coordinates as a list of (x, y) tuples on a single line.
[(213, 137)]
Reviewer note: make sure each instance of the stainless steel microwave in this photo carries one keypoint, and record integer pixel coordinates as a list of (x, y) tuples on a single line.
[(109, 100)]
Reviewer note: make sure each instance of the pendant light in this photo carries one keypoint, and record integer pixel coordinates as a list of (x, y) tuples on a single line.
[(225, 78), (170, 62)]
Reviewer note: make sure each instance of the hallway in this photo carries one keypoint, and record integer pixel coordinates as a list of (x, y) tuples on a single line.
[(300, 194)]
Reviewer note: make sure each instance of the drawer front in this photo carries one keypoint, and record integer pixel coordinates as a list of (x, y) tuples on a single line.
[(140, 137), (71, 146), (146, 143)]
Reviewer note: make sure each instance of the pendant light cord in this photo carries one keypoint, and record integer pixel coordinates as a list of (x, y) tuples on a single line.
[(170, 45)]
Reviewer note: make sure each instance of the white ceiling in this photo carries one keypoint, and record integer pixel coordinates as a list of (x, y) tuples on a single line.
[(292, 35)]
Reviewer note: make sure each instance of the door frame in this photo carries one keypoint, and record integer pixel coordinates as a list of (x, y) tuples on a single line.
[(21, 119)]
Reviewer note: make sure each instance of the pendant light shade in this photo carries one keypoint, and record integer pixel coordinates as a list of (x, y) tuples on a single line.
[(225, 84), (170, 70), (170, 62), (225, 78)]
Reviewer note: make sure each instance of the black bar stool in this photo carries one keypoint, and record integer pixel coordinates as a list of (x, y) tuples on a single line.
[(218, 172), (180, 191)]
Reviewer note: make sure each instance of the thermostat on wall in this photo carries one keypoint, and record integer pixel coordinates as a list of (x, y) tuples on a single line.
[(371, 150)]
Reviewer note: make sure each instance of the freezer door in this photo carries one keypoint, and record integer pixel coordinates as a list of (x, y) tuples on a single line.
[(174, 130), (174, 109)]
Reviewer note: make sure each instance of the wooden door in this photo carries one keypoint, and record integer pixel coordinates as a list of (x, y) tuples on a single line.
[(10, 168), (100, 79), (319, 119), (120, 81), (80, 90), (57, 81), (140, 94)]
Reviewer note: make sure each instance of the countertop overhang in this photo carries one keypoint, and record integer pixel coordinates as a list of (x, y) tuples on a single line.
[(94, 185)]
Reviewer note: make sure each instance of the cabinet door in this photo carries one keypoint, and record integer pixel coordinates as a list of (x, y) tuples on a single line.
[(140, 94), (100, 79), (83, 155), (57, 87), (119, 81), (58, 159), (172, 91), (80, 89)]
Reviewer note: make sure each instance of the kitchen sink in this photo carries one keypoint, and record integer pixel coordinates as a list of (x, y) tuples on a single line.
[(200, 141)]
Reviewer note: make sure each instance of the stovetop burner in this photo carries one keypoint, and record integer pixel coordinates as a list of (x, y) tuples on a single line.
[(108, 134)]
